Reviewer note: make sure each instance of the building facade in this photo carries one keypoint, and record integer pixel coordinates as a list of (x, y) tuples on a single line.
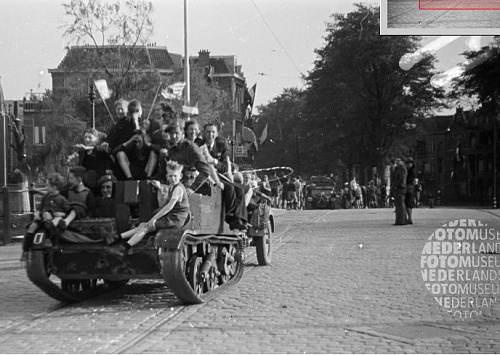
[(222, 70), (456, 161)]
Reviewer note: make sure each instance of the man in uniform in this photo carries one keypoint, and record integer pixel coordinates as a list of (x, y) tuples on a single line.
[(398, 191)]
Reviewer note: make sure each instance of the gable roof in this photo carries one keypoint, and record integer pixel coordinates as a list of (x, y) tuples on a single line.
[(146, 57)]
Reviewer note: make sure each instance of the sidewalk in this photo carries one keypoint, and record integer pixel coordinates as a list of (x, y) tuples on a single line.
[(9, 256)]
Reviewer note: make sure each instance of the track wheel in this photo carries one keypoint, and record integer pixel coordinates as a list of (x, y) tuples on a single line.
[(71, 286), (194, 275), (227, 264), (263, 246), (211, 280)]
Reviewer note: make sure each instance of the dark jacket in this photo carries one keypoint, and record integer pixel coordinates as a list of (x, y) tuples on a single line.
[(219, 151), (398, 180), (121, 132), (188, 154)]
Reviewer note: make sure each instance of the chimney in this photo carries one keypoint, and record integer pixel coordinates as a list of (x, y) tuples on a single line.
[(203, 58)]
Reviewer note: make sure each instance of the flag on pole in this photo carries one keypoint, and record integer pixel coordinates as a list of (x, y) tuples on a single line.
[(177, 88), (173, 91), (250, 96), (263, 136), (169, 95), (191, 110), (103, 89)]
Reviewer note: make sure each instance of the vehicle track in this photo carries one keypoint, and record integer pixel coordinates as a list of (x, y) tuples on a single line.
[(395, 14), (173, 311), (183, 312)]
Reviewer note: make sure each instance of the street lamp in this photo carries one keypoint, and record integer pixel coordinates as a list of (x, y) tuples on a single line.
[(92, 97), (495, 138)]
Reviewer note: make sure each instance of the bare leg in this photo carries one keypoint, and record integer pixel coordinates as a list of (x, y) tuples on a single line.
[(408, 214), (71, 216), (142, 230), (124, 164), (128, 234), (56, 220), (152, 161)]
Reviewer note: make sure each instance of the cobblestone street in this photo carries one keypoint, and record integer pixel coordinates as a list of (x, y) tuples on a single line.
[(341, 281)]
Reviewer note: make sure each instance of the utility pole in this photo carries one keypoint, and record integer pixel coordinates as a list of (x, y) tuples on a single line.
[(187, 97), (495, 140), (92, 97)]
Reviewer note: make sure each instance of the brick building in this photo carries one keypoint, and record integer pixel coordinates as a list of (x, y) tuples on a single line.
[(222, 70), (457, 157)]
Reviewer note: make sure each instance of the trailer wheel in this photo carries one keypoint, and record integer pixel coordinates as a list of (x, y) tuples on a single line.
[(263, 246)]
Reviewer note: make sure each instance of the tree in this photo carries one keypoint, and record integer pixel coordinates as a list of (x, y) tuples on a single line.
[(214, 104), (63, 129), (283, 117), (481, 77), (126, 27), (359, 101)]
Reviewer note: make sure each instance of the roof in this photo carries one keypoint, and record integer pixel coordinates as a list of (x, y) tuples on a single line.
[(148, 57), (221, 64)]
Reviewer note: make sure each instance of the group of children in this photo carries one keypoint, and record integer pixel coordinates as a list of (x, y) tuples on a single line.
[(99, 158), (56, 211)]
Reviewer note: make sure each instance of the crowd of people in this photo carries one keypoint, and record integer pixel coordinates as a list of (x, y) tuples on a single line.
[(292, 193), (176, 156)]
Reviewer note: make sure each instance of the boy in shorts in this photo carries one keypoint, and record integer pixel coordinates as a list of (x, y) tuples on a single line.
[(173, 211)]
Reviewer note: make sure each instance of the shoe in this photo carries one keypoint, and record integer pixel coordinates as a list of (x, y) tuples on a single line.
[(118, 250), (49, 226), (236, 224), (110, 238), (409, 222), (62, 225)]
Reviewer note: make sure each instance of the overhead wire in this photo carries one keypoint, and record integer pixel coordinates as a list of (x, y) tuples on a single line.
[(276, 37)]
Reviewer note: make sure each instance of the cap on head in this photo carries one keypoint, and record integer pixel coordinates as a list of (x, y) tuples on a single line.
[(78, 171), (174, 124), (409, 160), (106, 178)]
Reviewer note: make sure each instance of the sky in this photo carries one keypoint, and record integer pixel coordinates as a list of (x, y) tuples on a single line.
[(273, 40)]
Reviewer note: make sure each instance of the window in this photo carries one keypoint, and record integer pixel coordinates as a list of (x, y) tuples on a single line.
[(39, 135), (440, 165), (473, 140), (440, 146), (238, 99)]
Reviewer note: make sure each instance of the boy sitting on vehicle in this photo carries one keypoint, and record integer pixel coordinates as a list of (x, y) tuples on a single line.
[(173, 211), (50, 212)]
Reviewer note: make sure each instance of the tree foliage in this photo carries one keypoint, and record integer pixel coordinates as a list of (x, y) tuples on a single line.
[(481, 77), (358, 100), (283, 117), (115, 33)]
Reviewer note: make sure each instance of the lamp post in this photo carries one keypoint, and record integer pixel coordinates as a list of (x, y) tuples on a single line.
[(298, 152), (495, 139), (92, 97), (187, 97)]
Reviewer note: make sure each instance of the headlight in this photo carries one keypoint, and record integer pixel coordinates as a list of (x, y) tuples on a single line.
[(309, 199)]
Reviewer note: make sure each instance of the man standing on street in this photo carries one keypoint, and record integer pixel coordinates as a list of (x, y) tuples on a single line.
[(410, 196), (398, 190)]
